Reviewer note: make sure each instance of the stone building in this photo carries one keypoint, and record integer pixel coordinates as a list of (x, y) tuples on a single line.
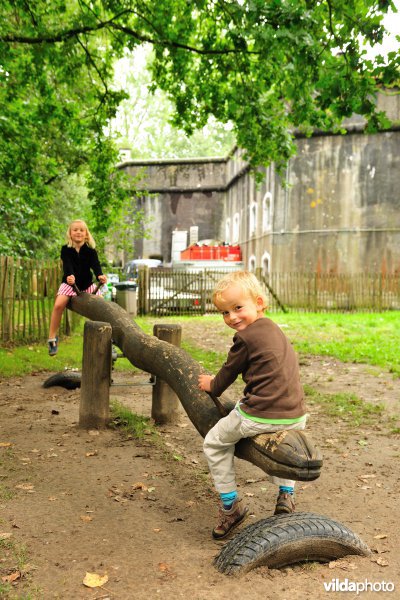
[(339, 212)]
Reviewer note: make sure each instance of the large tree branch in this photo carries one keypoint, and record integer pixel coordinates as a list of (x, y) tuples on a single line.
[(274, 455), (67, 34)]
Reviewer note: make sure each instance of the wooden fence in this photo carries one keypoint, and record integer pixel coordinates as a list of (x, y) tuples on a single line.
[(27, 291), (28, 288), (164, 291)]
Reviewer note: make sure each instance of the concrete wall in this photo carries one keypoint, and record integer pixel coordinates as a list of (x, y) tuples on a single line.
[(339, 213), (179, 194)]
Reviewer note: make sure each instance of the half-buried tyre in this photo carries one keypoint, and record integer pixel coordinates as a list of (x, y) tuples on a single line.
[(69, 380), (284, 540)]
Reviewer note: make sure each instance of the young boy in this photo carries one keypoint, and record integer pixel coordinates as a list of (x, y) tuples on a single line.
[(273, 398)]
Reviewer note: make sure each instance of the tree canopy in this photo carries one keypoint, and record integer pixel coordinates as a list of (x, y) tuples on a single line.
[(268, 67)]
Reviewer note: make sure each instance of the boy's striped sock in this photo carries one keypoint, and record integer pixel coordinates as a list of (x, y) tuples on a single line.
[(286, 489), (228, 498)]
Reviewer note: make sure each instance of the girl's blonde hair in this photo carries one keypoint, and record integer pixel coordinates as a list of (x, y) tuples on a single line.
[(245, 280), (88, 238)]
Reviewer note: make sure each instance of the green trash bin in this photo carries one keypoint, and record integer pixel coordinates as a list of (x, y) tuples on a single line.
[(126, 296)]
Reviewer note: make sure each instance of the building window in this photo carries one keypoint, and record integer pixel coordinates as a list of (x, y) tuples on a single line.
[(228, 231), (267, 212), (266, 263), (253, 219), (235, 231), (252, 264)]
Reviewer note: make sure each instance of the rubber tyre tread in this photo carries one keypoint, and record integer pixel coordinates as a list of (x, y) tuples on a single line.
[(283, 540), (69, 380)]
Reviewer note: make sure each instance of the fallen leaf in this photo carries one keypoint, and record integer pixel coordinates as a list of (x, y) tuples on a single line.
[(93, 580), (342, 564), (25, 486), (5, 444), (93, 453), (10, 578), (52, 498), (157, 530), (139, 486), (249, 494), (86, 518), (382, 562), (5, 536), (380, 536), (163, 567)]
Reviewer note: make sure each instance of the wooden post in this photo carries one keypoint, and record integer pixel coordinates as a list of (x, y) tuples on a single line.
[(165, 405), (96, 375)]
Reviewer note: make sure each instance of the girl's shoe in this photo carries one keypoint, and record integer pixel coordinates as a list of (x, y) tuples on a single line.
[(52, 344)]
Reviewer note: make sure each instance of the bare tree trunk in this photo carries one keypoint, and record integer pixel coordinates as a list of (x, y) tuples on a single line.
[(274, 454)]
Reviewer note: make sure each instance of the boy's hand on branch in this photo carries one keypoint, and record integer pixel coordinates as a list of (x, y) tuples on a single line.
[(205, 382), (102, 279), (71, 279)]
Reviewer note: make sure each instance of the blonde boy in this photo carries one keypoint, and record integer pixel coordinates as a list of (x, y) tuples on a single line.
[(273, 398)]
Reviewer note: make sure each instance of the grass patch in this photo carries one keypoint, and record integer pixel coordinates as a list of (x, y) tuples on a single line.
[(209, 359), (131, 424), (5, 494), (370, 338), (348, 407), (14, 558)]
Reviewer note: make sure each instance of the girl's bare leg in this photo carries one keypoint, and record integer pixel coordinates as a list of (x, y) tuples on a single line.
[(55, 320)]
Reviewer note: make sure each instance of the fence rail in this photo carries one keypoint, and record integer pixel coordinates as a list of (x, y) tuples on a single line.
[(28, 288)]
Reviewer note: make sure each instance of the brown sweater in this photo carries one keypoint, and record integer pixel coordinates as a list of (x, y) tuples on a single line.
[(269, 368)]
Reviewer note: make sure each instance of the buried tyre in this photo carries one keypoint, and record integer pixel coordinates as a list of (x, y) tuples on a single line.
[(284, 540), (69, 380)]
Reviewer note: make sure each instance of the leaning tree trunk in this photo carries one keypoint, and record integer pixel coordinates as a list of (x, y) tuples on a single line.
[(272, 453)]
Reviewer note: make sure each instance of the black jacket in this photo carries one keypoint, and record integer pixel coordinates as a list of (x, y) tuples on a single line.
[(80, 264)]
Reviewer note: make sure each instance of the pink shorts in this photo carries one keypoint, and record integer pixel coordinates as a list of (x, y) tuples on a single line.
[(67, 290)]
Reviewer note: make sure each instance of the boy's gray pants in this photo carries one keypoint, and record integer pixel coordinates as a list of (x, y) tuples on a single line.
[(219, 447)]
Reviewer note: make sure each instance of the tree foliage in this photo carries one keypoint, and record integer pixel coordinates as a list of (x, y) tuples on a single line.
[(269, 67), (144, 120)]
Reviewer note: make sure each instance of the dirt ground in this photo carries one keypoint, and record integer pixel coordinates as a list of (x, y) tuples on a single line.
[(141, 513)]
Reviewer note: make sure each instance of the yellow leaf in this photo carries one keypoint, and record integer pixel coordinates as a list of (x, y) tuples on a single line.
[(93, 580), (5, 444), (86, 518)]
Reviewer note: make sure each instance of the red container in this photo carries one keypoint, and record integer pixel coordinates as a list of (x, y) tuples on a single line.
[(228, 253)]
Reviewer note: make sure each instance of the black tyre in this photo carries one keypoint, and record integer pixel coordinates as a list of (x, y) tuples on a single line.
[(69, 380), (284, 540)]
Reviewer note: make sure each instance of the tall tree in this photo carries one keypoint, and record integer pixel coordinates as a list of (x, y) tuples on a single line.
[(269, 67)]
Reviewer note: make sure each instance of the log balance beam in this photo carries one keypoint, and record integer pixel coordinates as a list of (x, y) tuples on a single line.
[(290, 455)]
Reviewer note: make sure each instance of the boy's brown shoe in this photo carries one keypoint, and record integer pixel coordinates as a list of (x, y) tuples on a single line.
[(229, 519), (284, 504)]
